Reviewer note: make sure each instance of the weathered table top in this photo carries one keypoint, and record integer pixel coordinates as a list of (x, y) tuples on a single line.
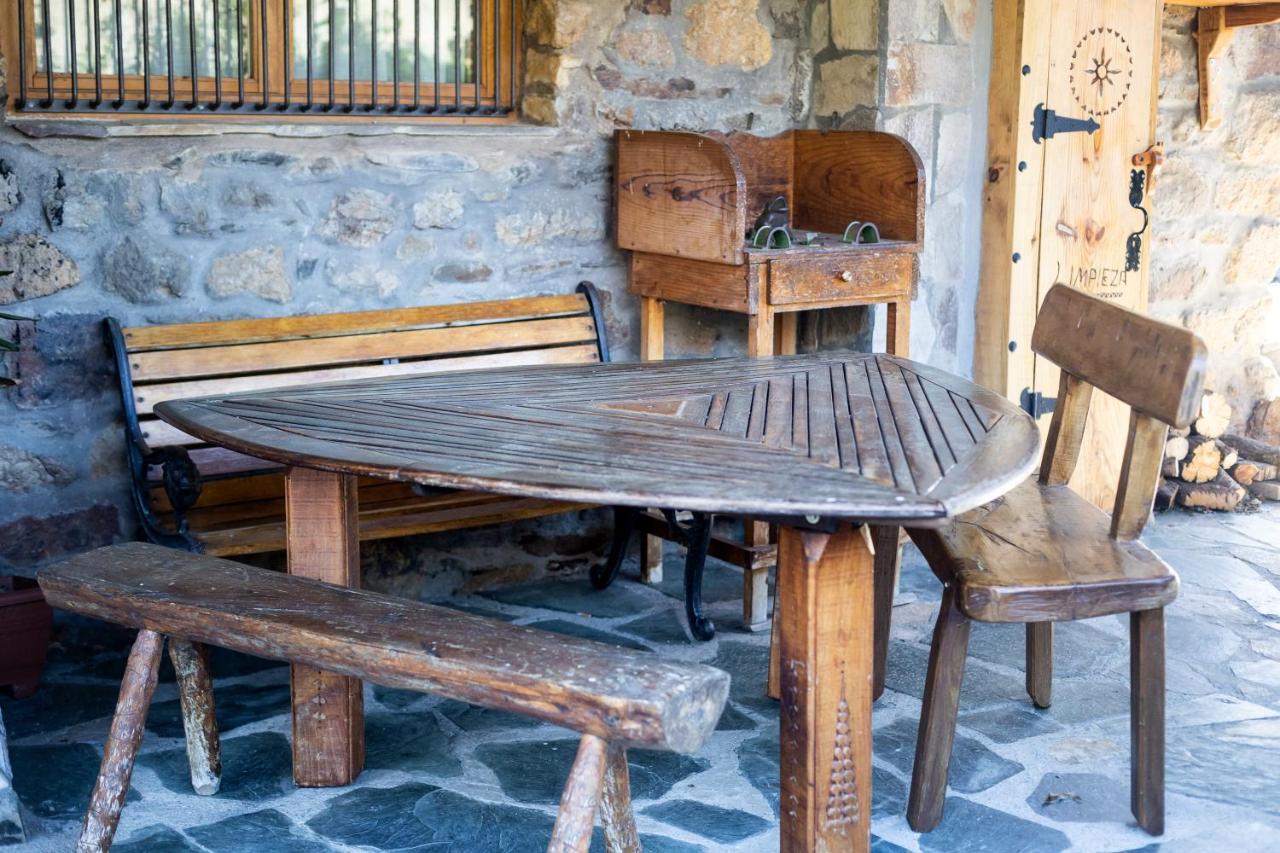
[(837, 435)]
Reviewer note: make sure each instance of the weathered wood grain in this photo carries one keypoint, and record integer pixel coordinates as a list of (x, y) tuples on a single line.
[(580, 799), (616, 816), (585, 686), (1155, 367), (886, 440), (122, 745), (328, 708), (826, 649), (199, 722)]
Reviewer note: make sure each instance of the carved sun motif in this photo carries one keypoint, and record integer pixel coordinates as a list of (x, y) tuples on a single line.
[(1101, 71)]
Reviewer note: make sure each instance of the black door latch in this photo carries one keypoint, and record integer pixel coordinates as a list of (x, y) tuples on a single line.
[(1046, 123), (1036, 404)]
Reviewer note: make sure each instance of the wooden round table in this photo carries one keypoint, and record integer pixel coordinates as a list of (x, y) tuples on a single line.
[(822, 444)]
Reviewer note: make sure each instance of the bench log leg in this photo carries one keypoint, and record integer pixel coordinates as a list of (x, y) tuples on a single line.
[(122, 744), (328, 710), (581, 797), (826, 612), (1146, 718), (195, 694), (938, 715), (755, 581), (619, 822), (1040, 663)]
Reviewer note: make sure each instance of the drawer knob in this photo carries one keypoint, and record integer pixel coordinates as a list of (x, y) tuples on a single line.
[(846, 276)]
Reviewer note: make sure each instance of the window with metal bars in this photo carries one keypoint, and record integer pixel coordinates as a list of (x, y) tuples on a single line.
[(323, 58)]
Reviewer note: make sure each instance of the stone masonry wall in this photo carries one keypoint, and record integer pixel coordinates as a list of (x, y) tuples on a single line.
[(1216, 250), (918, 68), (195, 222)]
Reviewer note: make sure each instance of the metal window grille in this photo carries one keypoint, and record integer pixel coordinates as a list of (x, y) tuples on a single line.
[(354, 58)]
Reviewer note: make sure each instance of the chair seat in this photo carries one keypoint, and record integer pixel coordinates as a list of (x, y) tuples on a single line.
[(1043, 553)]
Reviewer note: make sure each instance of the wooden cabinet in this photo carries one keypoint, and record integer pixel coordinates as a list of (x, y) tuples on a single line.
[(684, 205)]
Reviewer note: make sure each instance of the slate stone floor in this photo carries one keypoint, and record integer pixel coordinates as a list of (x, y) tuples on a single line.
[(443, 776)]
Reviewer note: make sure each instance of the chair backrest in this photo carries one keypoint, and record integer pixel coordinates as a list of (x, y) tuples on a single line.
[(170, 362), (1156, 368)]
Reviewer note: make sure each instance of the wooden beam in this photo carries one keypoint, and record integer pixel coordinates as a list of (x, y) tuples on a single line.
[(1215, 28)]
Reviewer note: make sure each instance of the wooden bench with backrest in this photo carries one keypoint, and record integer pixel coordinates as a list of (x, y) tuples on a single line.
[(1043, 554), (209, 499), (614, 697)]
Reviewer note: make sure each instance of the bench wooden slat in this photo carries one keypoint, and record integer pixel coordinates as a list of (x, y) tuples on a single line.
[(354, 349), (227, 332), (265, 537), (147, 396), (583, 685)]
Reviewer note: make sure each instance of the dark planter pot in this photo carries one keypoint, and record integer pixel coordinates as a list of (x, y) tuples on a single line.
[(26, 624)]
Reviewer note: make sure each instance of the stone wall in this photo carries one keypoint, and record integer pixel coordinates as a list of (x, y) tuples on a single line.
[(919, 68), (1216, 249), (162, 224)]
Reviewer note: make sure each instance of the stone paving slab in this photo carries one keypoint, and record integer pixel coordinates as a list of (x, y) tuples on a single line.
[(444, 776)]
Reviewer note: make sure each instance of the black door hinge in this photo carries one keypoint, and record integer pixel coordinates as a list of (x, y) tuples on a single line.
[(1036, 404), (1046, 123)]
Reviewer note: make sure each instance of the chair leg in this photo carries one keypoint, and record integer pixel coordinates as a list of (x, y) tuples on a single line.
[(700, 626), (888, 555), (773, 687), (1146, 718), (195, 694), (624, 525), (581, 797), (122, 744), (619, 822), (938, 715), (1040, 663)]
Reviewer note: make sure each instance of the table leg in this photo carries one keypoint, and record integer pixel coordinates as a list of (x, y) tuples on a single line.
[(825, 592), (785, 332), (652, 348), (755, 581), (328, 710), (898, 328)]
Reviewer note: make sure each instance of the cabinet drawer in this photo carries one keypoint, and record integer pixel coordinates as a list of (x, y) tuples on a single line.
[(868, 277)]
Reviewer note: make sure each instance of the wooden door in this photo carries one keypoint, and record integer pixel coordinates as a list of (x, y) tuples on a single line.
[(1075, 83)]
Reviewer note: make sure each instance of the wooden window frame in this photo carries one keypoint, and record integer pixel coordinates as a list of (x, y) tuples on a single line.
[(497, 52)]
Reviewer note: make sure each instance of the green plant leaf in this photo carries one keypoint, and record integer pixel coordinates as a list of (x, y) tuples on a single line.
[(16, 317), (10, 346)]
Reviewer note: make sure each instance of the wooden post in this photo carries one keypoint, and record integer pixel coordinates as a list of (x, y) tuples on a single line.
[(1213, 40), (755, 581), (615, 805), (652, 348), (785, 332), (122, 744), (195, 695), (898, 327), (825, 606), (328, 709), (888, 558), (1040, 663), (581, 797)]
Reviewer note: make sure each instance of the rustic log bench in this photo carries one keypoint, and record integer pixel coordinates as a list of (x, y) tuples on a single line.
[(209, 499), (614, 697)]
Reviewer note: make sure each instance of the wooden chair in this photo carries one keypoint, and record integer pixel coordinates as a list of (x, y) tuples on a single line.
[(1042, 554), (614, 697), (197, 497)]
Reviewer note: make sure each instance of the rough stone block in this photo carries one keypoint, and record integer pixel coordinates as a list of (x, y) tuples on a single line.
[(644, 47), (443, 209), (362, 280), (955, 144), (31, 541), (961, 17), (1256, 258), (360, 218), (22, 471), (912, 20), (728, 32), (256, 272), (855, 24), (918, 73), (39, 268), (846, 83), (1251, 192), (145, 274), (1255, 128)]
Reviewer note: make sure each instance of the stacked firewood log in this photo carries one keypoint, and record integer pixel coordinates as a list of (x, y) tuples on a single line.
[(1206, 467)]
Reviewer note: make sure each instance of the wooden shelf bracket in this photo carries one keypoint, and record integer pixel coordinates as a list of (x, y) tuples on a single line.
[(1215, 28)]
